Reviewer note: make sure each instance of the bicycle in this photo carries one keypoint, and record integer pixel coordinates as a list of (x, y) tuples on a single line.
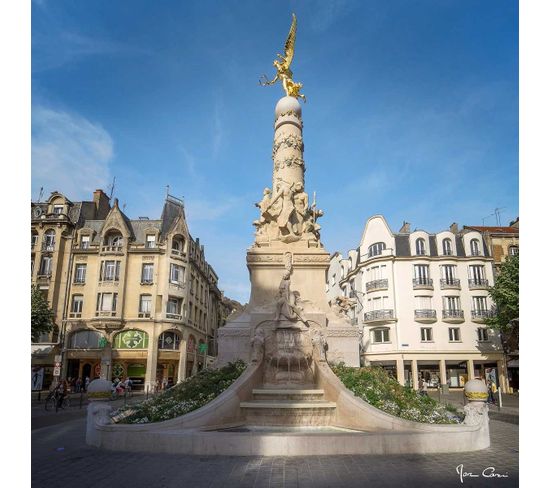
[(52, 401)]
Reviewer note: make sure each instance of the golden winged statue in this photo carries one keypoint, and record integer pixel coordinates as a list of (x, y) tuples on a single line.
[(282, 65)]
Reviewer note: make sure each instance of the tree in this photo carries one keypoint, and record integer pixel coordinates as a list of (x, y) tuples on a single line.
[(505, 295), (41, 314)]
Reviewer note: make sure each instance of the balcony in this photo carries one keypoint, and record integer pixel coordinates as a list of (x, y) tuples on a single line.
[(102, 313), (112, 250), (377, 285), (144, 315), (423, 283), (425, 316), (173, 316), (480, 316), (382, 315), (176, 253), (48, 247), (44, 275), (453, 316), (449, 283), (147, 281), (478, 284)]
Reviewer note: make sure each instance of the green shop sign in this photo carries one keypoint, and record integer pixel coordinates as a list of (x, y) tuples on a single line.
[(132, 339)]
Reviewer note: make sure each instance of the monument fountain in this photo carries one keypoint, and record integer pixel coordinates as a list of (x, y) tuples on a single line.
[(288, 401)]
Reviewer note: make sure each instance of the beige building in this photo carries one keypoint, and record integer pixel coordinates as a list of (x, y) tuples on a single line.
[(421, 300), (135, 297)]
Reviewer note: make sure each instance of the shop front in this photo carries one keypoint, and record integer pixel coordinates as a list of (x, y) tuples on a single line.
[(129, 357)]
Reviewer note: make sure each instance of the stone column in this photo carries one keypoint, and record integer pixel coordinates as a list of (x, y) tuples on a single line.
[(106, 362), (414, 369), (152, 354), (400, 366), (470, 367), (183, 361), (442, 372)]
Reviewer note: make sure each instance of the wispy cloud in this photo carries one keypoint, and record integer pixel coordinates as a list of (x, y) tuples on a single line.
[(325, 12), (69, 153), (208, 210)]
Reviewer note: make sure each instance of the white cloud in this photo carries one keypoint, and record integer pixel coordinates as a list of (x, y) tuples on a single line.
[(69, 153)]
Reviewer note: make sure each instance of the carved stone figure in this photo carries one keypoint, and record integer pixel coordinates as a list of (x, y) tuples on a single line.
[(287, 303), (319, 345), (341, 305), (300, 200), (257, 349)]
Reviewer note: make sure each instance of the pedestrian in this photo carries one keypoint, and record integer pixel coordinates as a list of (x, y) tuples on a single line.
[(164, 383), (490, 396), (78, 385), (424, 391), (62, 389), (86, 383)]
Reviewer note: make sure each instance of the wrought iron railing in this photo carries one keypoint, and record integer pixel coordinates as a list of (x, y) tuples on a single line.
[(478, 283), (419, 282), (48, 247), (378, 315), (453, 314), (482, 314), (425, 314), (449, 283), (377, 284)]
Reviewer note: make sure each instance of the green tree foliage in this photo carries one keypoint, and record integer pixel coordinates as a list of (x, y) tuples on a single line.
[(505, 295), (41, 314)]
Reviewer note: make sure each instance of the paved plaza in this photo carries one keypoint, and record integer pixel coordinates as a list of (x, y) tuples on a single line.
[(61, 459)]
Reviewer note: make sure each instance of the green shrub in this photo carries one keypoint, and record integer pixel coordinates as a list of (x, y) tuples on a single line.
[(375, 386), (182, 398)]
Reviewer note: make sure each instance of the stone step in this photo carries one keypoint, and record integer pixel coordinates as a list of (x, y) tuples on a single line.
[(287, 394), (288, 404)]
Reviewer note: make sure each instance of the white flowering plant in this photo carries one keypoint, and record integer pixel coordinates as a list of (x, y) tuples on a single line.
[(182, 398)]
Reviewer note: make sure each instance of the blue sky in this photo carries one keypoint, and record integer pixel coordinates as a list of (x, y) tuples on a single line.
[(412, 111)]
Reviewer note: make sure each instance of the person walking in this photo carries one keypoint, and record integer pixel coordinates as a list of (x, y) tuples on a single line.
[(491, 387), (86, 383), (62, 389), (424, 391), (78, 385)]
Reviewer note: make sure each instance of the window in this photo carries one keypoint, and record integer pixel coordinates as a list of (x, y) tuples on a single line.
[(482, 335), (150, 242), (169, 340), (454, 334), (426, 334), (145, 304), (34, 239), (474, 247), (477, 274), (58, 209), (115, 240), (451, 303), (85, 339), (421, 274), (380, 336), (448, 274), (49, 240), (76, 304), (85, 242), (110, 271), (178, 244), (513, 251), (45, 266), (173, 307), (80, 273), (176, 274), (479, 304), (420, 247), (147, 273), (423, 302), (447, 247), (106, 302), (376, 249)]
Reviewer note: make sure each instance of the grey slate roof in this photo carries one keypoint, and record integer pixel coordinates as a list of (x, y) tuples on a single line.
[(402, 247)]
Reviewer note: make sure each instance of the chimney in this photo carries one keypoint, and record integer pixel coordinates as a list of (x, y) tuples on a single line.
[(101, 202), (405, 228), (454, 228)]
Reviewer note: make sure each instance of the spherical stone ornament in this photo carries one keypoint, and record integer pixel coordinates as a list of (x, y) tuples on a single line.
[(99, 389), (287, 105), (476, 391)]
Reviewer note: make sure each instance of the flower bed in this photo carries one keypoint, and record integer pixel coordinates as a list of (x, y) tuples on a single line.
[(183, 398), (375, 386)]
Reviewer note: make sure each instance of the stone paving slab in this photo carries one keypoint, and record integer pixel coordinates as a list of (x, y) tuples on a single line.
[(83, 466)]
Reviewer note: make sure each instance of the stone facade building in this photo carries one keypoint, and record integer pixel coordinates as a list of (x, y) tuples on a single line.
[(421, 300), (131, 297)]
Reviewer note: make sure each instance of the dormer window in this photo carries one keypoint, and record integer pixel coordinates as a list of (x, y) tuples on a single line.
[(150, 241), (474, 247), (58, 209), (447, 247), (85, 242), (420, 247), (376, 249)]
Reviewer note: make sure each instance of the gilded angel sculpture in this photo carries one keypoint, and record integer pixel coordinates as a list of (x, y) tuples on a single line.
[(282, 65)]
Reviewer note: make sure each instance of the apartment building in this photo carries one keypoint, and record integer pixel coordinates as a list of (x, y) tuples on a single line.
[(138, 298), (421, 300)]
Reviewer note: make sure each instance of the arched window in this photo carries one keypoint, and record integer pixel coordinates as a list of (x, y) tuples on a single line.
[(447, 247), (376, 249), (49, 240), (420, 247), (474, 247), (169, 340), (191, 344), (113, 239), (131, 339), (178, 244), (85, 339)]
